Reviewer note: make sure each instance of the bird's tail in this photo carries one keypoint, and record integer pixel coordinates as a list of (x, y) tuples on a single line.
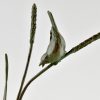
[(52, 21)]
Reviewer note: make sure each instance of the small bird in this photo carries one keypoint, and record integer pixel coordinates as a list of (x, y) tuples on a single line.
[(56, 47)]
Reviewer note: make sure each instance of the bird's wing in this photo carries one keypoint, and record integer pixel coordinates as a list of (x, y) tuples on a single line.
[(50, 35)]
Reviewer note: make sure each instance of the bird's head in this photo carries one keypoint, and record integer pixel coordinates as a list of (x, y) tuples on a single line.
[(44, 60)]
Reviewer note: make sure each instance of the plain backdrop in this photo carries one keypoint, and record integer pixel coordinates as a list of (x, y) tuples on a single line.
[(77, 77)]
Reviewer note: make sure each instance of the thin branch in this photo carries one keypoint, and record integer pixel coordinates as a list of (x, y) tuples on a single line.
[(6, 77), (82, 44), (32, 36), (73, 50)]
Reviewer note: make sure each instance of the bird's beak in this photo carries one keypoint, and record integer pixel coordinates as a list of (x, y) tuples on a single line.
[(41, 64)]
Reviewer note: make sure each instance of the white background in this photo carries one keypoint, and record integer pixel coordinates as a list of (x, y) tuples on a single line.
[(74, 78)]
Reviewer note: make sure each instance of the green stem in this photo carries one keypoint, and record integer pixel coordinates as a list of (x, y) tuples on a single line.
[(6, 78), (32, 36), (25, 72)]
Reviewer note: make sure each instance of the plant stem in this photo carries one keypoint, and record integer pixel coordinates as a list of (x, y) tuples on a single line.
[(83, 44), (73, 50), (6, 78), (25, 72), (32, 36)]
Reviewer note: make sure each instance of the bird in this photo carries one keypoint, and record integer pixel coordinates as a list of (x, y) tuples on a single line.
[(57, 45)]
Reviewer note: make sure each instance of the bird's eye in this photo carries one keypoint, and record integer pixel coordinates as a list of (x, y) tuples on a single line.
[(50, 35)]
